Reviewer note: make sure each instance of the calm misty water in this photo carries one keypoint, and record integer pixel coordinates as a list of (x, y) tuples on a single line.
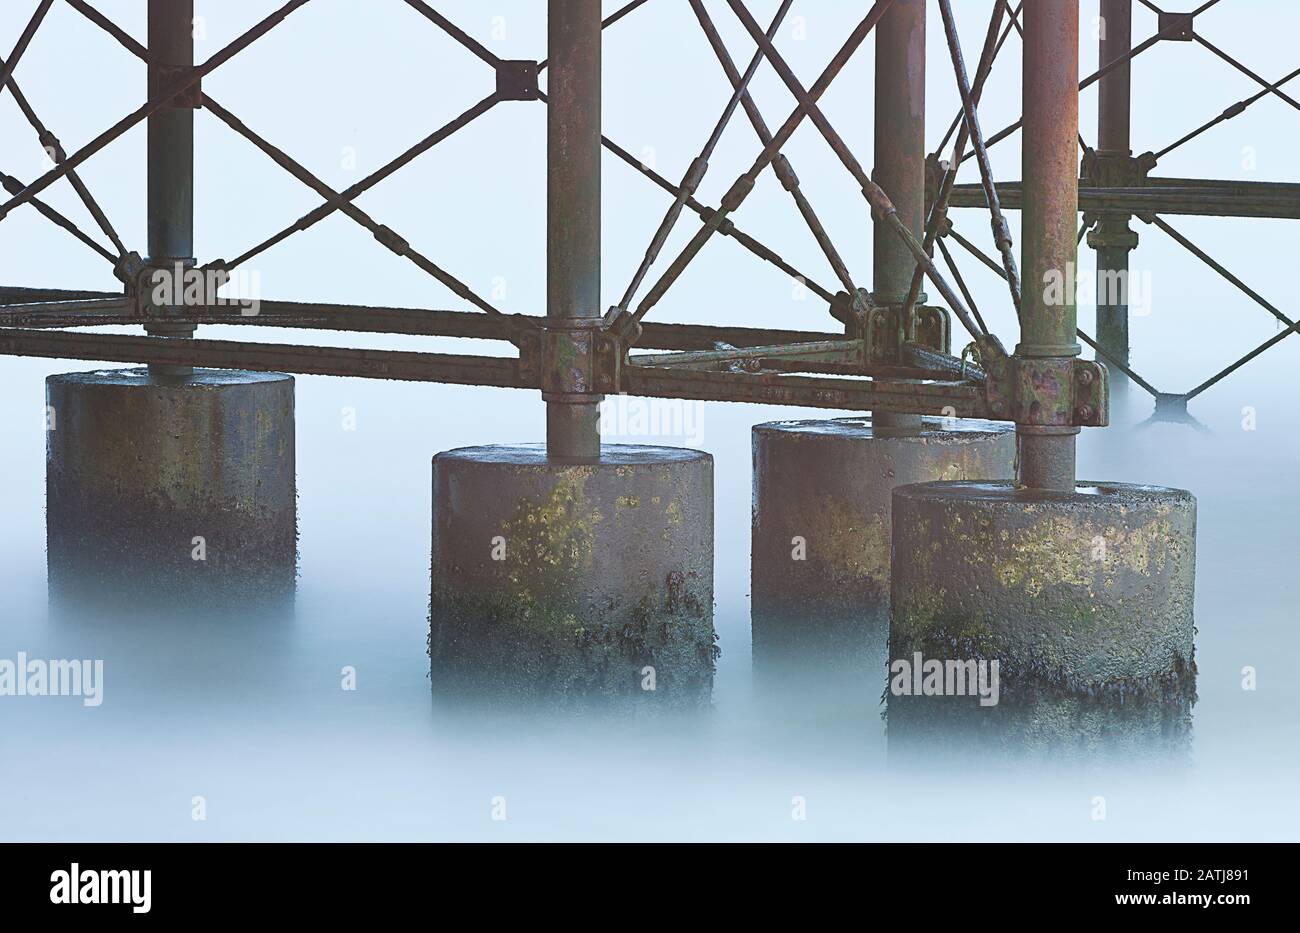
[(250, 715)]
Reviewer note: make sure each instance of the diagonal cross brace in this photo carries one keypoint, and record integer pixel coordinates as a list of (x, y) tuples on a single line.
[(881, 206), (743, 185), (160, 100), (385, 235)]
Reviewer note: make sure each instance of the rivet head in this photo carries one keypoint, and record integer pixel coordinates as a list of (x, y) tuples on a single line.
[(1085, 376), (1084, 412)]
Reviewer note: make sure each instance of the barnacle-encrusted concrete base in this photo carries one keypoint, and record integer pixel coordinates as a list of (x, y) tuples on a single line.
[(1083, 598), (569, 583), (139, 467), (821, 520)]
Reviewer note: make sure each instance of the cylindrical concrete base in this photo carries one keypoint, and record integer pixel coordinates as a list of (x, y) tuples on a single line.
[(821, 520), (1083, 599), (573, 583), (166, 489)]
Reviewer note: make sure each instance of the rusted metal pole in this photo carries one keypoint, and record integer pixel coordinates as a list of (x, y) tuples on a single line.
[(572, 229), (170, 159), (1050, 215), (1113, 238), (899, 157)]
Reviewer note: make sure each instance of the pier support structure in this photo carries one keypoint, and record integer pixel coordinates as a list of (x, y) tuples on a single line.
[(1081, 592), (573, 574), (821, 502), (171, 486)]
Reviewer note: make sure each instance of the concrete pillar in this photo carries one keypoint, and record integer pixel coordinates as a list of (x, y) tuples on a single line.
[(573, 584), (171, 492), (821, 529), (1083, 599)]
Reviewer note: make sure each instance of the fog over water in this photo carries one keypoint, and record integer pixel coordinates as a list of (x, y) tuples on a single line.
[(248, 713)]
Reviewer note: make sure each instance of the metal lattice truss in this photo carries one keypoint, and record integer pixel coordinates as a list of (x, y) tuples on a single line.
[(1115, 186), (903, 352)]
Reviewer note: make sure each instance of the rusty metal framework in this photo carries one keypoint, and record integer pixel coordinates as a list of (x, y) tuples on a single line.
[(1116, 186), (888, 353)]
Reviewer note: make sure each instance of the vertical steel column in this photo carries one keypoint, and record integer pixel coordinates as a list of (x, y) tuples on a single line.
[(1050, 214), (572, 227), (171, 157), (1113, 238), (899, 156)]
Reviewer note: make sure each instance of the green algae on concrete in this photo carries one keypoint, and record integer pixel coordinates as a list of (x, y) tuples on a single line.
[(1083, 598), (573, 583), (820, 566)]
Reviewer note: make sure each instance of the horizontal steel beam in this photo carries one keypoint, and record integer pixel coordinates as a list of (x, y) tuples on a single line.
[(78, 313), (49, 308), (1207, 199), (933, 398), (826, 351), (855, 394), (228, 354), (10, 295)]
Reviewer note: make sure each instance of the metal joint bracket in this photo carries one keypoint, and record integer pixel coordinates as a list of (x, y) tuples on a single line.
[(1112, 232), (517, 80), (568, 360), (935, 170), (1110, 168), (610, 355), (853, 311), (163, 76), (528, 338), (128, 268), (884, 336), (155, 299), (1176, 27), (623, 325), (1044, 393)]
